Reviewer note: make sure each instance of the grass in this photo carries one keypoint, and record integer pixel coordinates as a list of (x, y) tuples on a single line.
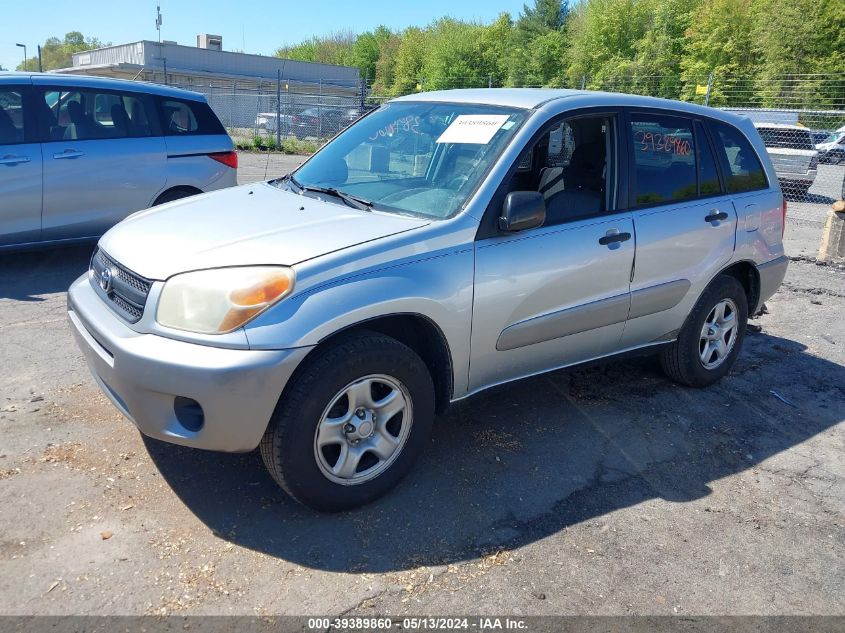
[(289, 145)]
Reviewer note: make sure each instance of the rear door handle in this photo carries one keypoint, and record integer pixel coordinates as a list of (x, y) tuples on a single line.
[(716, 216), (68, 153), (612, 238), (9, 159)]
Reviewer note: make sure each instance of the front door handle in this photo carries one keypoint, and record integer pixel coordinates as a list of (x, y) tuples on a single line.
[(716, 216), (612, 238), (9, 159), (68, 153)]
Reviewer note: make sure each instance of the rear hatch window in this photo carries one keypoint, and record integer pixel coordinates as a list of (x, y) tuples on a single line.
[(786, 138)]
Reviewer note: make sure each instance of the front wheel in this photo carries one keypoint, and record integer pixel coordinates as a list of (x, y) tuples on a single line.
[(710, 340), (351, 422)]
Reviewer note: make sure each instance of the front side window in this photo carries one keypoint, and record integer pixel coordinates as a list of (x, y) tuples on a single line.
[(664, 159), (573, 166), (11, 116), (742, 168), (417, 158), (89, 114)]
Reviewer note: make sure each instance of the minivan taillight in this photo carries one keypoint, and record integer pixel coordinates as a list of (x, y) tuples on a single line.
[(230, 159), (814, 162), (783, 216)]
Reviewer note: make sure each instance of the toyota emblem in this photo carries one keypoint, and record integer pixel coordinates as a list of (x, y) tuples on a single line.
[(105, 280)]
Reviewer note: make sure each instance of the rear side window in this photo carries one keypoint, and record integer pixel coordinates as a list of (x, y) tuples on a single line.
[(88, 114), (11, 116), (664, 158), (182, 117), (742, 168)]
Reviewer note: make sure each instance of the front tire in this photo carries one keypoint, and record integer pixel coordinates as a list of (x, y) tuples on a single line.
[(351, 422), (710, 340)]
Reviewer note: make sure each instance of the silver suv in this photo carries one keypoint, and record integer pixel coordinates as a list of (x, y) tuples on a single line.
[(79, 154), (445, 243)]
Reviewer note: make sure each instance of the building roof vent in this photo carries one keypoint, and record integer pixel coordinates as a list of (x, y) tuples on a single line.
[(210, 42)]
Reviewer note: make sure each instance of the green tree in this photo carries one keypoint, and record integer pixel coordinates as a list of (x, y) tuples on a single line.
[(796, 39), (719, 40), (538, 48), (56, 53), (410, 56)]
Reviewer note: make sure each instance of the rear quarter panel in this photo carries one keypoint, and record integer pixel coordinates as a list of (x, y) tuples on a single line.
[(188, 163), (759, 234)]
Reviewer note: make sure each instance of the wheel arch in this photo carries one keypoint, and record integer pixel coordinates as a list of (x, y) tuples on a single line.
[(187, 189), (418, 332), (746, 273)]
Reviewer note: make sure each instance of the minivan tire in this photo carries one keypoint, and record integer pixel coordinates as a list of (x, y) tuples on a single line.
[(682, 360), (290, 449)]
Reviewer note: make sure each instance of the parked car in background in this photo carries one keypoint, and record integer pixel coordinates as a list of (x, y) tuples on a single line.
[(269, 121), (323, 121), (832, 149), (820, 136), (79, 154), (446, 243), (793, 154)]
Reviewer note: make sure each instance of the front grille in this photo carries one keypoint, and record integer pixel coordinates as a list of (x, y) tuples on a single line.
[(122, 289)]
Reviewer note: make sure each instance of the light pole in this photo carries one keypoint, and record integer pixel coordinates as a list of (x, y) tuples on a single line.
[(23, 46)]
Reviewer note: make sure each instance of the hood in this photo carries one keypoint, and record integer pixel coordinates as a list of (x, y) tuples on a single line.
[(248, 225)]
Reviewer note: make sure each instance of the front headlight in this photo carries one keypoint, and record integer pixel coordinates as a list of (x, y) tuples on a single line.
[(221, 300)]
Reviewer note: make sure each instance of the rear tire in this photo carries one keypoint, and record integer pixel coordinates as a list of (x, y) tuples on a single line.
[(712, 336), (367, 399)]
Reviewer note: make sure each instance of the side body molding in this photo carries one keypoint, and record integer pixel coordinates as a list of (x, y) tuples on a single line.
[(658, 298), (564, 322)]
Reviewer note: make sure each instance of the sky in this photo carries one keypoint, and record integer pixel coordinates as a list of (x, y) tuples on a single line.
[(249, 25)]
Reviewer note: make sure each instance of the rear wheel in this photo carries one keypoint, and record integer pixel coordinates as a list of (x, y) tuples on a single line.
[(351, 423), (710, 340)]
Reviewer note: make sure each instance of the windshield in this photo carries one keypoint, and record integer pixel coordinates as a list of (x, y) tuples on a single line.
[(787, 138), (419, 158), (834, 138)]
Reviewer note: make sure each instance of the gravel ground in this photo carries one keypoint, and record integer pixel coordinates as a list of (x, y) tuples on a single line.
[(601, 490)]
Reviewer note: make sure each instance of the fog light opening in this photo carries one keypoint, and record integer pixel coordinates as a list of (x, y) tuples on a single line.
[(189, 413)]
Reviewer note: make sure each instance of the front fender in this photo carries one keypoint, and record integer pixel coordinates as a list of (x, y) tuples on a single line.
[(436, 287)]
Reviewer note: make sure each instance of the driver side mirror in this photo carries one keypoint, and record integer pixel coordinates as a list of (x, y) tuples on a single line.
[(522, 210)]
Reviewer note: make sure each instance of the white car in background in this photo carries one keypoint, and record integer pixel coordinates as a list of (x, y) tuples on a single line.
[(832, 149), (793, 154)]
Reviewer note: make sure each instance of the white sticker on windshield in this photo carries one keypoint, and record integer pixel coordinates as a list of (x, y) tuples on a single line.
[(473, 128)]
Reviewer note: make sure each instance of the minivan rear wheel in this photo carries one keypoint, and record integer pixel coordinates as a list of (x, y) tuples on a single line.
[(712, 336), (351, 422)]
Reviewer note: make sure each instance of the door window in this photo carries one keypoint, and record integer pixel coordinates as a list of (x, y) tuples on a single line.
[(572, 166), (743, 171), (664, 159), (11, 116), (91, 114)]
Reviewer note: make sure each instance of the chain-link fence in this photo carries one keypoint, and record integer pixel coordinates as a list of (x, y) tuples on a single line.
[(276, 111)]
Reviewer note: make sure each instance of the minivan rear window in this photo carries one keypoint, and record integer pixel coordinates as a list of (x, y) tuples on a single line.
[(742, 168), (182, 116)]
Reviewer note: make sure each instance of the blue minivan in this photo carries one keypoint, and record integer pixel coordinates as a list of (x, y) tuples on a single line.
[(79, 154)]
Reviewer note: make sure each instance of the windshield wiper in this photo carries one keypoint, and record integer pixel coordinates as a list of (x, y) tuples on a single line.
[(348, 198)]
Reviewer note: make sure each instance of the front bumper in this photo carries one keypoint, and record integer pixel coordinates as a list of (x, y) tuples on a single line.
[(143, 374)]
